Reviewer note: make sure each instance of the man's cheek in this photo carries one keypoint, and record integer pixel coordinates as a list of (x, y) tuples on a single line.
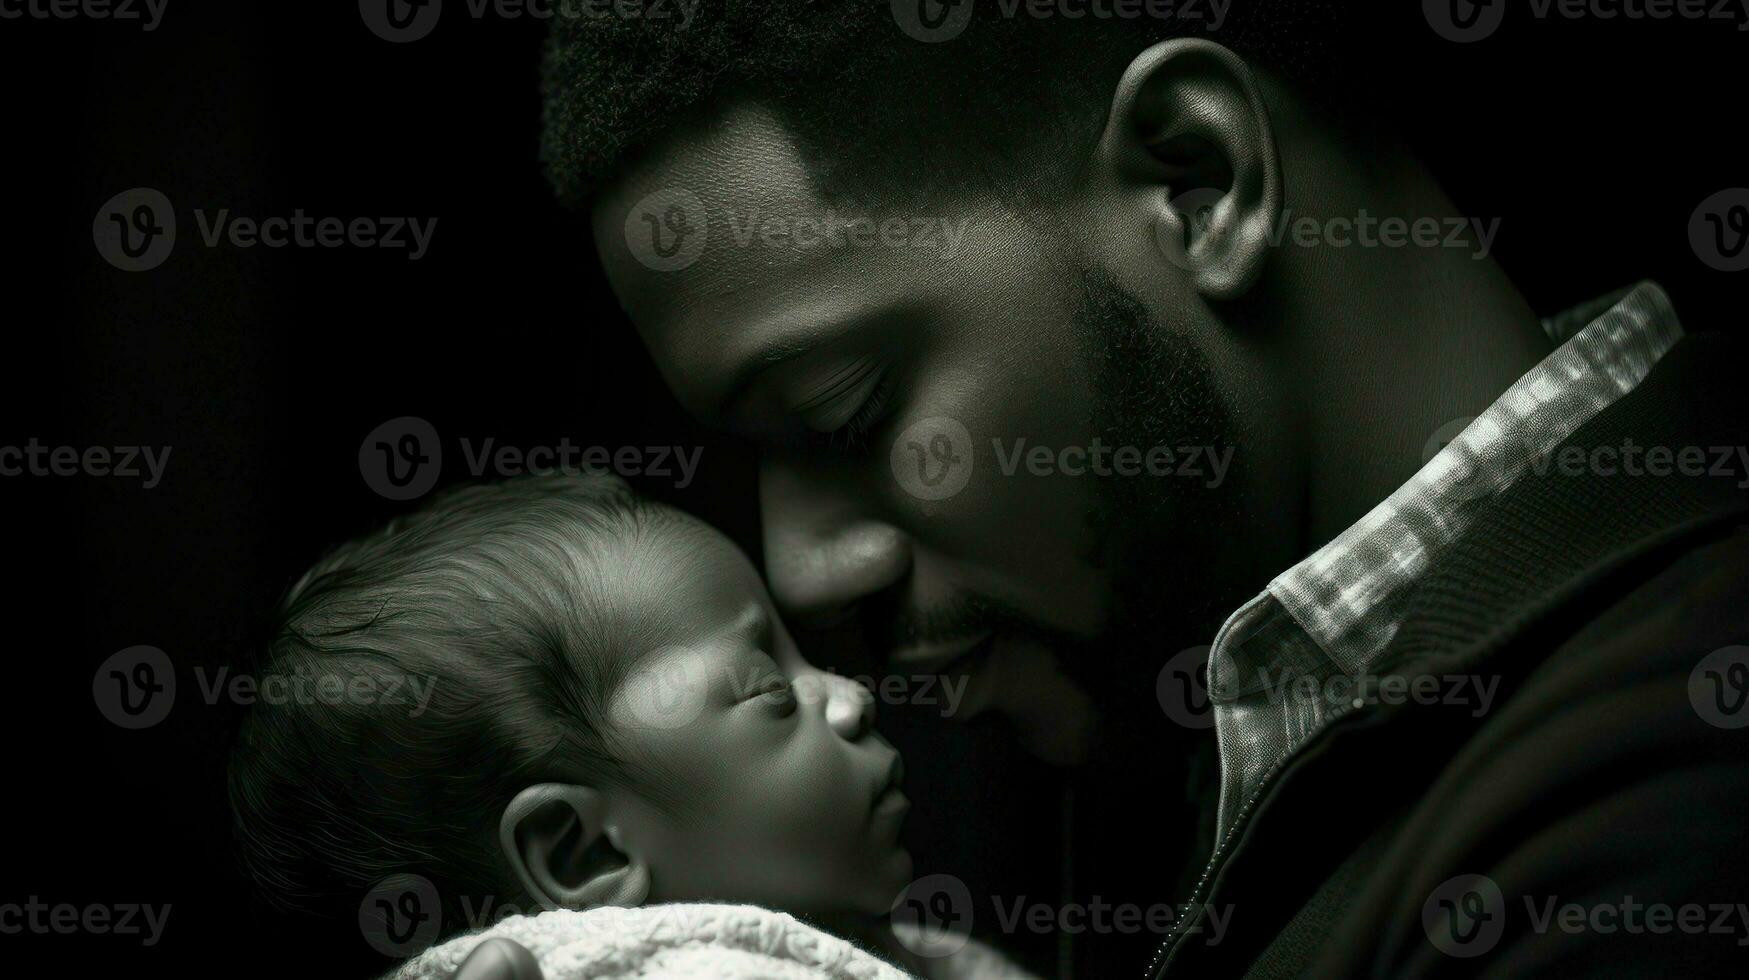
[(1053, 717)]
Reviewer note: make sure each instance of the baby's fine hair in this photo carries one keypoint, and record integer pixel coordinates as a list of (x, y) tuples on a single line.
[(426, 673)]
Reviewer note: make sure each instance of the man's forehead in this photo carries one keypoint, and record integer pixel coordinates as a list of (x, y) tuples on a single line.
[(740, 159), (761, 268)]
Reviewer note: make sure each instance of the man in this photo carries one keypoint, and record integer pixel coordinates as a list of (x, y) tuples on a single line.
[(1048, 385)]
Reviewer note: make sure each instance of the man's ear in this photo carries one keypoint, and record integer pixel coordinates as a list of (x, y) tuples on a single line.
[(1189, 138), (566, 849)]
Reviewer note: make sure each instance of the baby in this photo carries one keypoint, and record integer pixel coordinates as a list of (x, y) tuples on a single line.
[(609, 713)]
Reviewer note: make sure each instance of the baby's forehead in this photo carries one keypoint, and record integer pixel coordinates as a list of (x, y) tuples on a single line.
[(686, 579), (693, 552)]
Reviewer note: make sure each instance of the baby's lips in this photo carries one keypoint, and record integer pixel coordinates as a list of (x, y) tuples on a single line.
[(896, 772), (888, 794)]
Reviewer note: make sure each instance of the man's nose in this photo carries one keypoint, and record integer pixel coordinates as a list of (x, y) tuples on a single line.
[(824, 553)]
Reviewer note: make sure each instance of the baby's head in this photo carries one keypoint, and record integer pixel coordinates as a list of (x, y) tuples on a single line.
[(550, 693)]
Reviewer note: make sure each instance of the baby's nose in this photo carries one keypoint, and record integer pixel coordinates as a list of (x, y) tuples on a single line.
[(849, 707)]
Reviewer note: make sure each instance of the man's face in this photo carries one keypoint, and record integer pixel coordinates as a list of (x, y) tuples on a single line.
[(927, 404)]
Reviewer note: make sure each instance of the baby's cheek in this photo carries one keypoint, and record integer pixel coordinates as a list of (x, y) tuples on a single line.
[(812, 808)]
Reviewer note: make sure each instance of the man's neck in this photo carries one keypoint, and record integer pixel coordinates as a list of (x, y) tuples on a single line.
[(1395, 346)]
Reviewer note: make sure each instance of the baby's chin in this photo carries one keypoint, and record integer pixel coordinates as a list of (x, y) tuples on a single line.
[(893, 873), (901, 866)]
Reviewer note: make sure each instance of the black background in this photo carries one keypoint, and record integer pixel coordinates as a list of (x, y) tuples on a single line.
[(264, 369)]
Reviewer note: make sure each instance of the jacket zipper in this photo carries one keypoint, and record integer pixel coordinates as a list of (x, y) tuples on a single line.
[(1240, 819)]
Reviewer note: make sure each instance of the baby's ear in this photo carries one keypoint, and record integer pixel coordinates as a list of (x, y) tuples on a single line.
[(565, 848)]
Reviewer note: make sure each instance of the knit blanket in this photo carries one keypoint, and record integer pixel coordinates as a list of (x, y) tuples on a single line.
[(673, 942)]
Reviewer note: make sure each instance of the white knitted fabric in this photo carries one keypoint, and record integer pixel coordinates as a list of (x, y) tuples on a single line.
[(672, 942)]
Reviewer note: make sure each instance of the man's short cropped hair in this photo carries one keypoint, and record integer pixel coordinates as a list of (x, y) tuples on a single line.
[(848, 79)]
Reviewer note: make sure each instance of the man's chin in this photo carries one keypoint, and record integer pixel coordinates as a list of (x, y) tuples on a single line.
[(1062, 747), (1052, 717)]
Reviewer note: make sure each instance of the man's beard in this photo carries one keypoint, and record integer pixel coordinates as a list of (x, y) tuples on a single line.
[(1159, 541), (1155, 538), (1160, 538)]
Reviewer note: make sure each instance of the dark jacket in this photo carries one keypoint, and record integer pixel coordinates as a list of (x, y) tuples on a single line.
[(1595, 820)]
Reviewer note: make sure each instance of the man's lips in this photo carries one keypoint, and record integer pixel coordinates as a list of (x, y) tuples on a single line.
[(941, 656)]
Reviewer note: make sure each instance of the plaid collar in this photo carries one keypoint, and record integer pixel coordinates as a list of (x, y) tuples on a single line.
[(1335, 612)]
